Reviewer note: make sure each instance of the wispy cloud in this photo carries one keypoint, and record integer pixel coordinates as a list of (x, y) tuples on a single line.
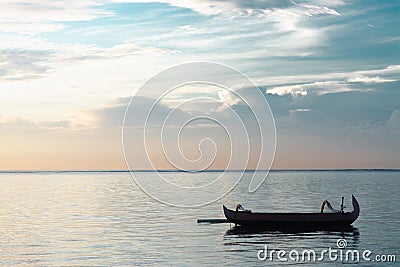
[(29, 28), (237, 7), (215, 7), (25, 57), (48, 10), (383, 75), (341, 82)]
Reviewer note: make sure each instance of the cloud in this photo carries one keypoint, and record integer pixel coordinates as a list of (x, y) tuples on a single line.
[(215, 7), (318, 88), (23, 124), (79, 53), (50, 10), (367, 79), (272, 34), (345, 129), (62, 124), (392, 69), (40, 16), (355, 108), (238, 7), (23, 64), (388, 74), (112, 115), (317, 10), (341, 82), (29, 28), (24, 58), (228, 98), (262, 29)]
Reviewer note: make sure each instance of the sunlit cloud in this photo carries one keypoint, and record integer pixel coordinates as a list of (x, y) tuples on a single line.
[(237, 8), (318, 88), (367, 79)]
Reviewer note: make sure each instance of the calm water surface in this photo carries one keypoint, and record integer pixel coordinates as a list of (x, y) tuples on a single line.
[(102, 219)]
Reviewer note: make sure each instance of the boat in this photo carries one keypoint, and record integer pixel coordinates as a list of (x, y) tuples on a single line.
[(247, 218)]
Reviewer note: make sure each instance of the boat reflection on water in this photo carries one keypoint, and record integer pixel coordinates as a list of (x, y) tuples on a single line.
[(245, 242), (343, 230)]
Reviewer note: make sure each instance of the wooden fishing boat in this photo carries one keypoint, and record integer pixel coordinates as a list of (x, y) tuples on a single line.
[(298, 220)]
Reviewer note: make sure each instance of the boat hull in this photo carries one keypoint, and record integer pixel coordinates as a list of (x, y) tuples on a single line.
[(298, 220)]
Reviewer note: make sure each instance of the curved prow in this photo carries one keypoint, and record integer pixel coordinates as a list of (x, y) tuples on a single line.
[(356, 206)]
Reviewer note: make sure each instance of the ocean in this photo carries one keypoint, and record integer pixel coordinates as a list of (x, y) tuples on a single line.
[(105, 219)]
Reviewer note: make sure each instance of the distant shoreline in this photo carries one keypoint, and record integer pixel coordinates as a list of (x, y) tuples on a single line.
[(127, 171)]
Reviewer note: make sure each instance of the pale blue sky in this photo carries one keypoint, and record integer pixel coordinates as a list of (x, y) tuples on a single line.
[(330, 71)]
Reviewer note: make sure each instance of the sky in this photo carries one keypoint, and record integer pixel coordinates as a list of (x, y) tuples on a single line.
[(330, 71)]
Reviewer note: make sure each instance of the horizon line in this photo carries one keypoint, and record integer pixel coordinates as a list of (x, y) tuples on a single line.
[(194, 171)]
